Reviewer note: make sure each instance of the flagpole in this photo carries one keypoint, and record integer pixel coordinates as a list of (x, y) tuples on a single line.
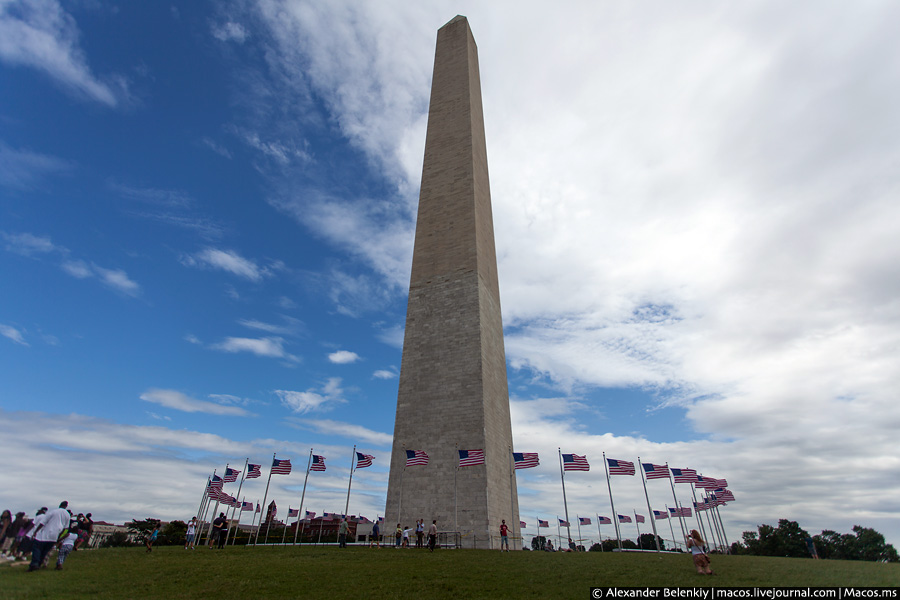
[(671, 528), (303, 495), (565, 502), (615, 516), (579, 529), (649, 510), (352, 462), (240, 515), (203, 499), (238, 495), (711, 517), (697, 508), (284, 529), (455, 496), (724, 537), (512, 504), (215, 508), (638, 525), (677, 508), (400, 499), (599, 533), (265, 497), (558, 534)]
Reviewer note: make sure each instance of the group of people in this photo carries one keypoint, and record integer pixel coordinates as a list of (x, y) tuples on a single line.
[(402, 535), (49, 529)]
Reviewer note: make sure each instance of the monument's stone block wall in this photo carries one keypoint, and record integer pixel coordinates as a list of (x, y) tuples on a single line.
[(453, 388)]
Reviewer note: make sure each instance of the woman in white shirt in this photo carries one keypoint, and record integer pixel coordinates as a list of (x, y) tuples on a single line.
[(701, 560)]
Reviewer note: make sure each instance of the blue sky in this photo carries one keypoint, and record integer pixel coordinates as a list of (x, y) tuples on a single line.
[(206, 225)]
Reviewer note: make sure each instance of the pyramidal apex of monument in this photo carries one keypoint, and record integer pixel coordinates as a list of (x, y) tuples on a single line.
[(455, 19)]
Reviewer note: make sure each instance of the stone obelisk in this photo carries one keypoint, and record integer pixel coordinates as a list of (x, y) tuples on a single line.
[(453, 391)]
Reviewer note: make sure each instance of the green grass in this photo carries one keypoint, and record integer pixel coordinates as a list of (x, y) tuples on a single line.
[(328, 572)]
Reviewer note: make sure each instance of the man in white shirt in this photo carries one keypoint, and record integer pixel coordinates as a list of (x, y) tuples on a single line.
[(47, 531)]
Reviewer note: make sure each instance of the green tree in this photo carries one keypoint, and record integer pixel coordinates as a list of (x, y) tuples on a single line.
[(788, 539), (647, 542), (173, 533), (538, 542), (116, 539), (143, 528), (870, 545)]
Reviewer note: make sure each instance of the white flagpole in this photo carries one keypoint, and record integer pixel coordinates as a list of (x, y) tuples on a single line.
[(638, 525), (265, 497), (203, 500), (558, 534), (303, 496), (512, 504), (696, 508), (615, 515), (352, 468), (238, 495), (677, 508), (284, 529), (649, 510), (724, 537), (599, 533), (215, 508), (565, 503), (455, 496), (400, 499), (669, 517), (579, 528)]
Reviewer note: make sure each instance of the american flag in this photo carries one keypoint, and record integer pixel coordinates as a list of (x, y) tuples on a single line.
[(584, 520), (563, 523), (253, 471), (216, 482), (624, 519), (363, 519), (416, 457), (724, 495), (318, 463), (470, 458), (258, 509), (658, 514), (246, 506), (310, 515), (707, 483), (526, 460), (722, 483), (684, 475), (281, 467), (655, 471), (702, 505), (543, 523), (604, 520), (680, 512), (620, 467), (573, 462), (293, 512), (522, 525), (639, 518), (363, 460), (231, 475)]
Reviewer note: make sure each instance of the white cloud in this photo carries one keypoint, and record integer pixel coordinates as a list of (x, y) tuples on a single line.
[(272, 347), (313, 400), (343, 429), (291, 326), (230, 32), (42, 35), (118, 280), (385, 374), (178, 401), (8, 331), (229, 261), (28, 244), (343, 357), (23, 169)]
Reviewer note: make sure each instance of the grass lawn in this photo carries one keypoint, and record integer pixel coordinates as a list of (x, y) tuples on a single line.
[(329, 572)]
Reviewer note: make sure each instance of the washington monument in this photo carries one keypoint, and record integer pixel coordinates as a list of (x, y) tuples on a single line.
[(453, 391)]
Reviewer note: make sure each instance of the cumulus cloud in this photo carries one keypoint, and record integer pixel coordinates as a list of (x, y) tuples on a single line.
[(313, 400), (385, 374), (272, 347), (228, 261), (230, 32), (178, 401), (28, 244), (40, 34), (343, 357), (8, 331)]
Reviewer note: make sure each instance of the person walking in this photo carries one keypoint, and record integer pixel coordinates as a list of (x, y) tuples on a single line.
[(398, 535), (189, 535), (373, 537), (48, 529), (701, 560), (67, 545), (504, 535), (151, 539), (343, 529), (432, 535)]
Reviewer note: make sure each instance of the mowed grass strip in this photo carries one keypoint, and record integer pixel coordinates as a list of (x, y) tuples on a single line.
[(328, 572)]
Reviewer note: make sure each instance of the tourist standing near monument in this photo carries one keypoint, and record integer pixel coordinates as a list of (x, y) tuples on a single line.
[(420, 533), (373, 537), (701, 560), (220, 527), (504, 535), (432, 535)]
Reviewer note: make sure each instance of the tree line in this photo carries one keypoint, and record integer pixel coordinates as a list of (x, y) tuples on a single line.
[(789, 539)]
